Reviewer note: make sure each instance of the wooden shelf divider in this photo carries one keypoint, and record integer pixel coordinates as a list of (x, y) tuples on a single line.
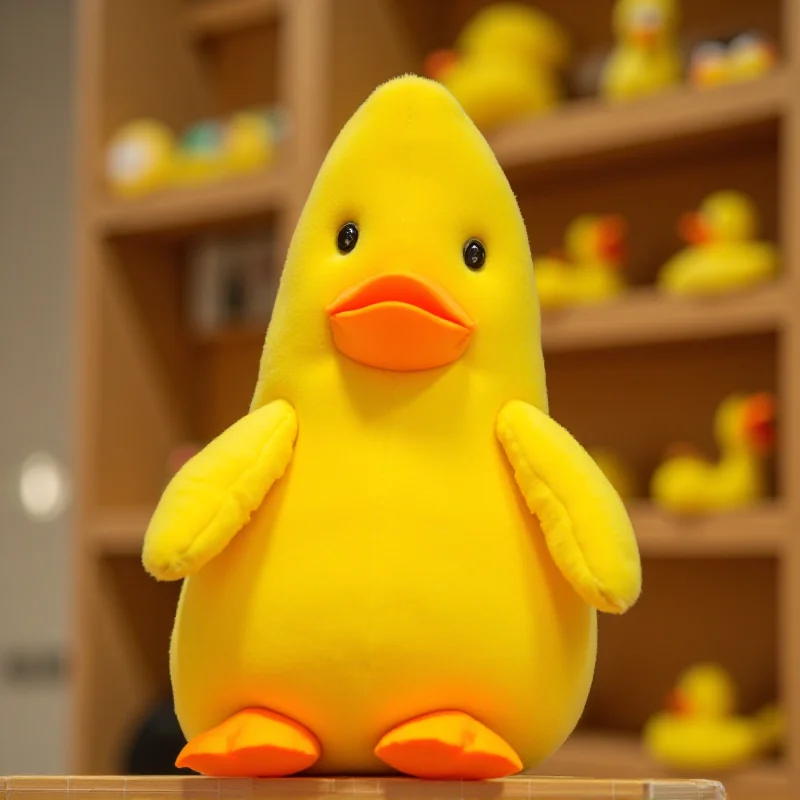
[(209, 18)]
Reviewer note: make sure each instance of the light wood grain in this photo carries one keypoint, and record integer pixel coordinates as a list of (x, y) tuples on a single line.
[(609, 754), (519, 787)]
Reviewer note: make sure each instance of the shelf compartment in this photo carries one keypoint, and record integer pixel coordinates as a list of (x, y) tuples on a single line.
[(607, 755), (761, 531), (206, 19), (645, 316), (590, 130), (184, 210)]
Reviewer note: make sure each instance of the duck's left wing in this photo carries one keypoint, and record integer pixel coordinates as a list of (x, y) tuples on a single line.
[(584, 521)]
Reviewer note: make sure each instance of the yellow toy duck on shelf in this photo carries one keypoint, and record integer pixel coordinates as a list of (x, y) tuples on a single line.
[(722, 254), (647, 59), (589, 270), (745, 57), (505, 65), (699, 729), (686, 483), (395, 560)]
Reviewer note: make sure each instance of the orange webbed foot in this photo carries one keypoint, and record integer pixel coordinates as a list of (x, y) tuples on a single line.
[(255, 743), (448, 745)]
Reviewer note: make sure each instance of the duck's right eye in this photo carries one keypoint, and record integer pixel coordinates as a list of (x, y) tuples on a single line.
[(347, 238)]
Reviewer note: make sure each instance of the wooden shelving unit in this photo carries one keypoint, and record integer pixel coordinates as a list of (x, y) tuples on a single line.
[(635, 374)]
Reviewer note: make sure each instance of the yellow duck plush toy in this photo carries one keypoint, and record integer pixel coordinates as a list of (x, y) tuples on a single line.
[(589, 270), (505, 65), (689, 484), (699, 729), (394, 561), (723, 254), (647, 58)]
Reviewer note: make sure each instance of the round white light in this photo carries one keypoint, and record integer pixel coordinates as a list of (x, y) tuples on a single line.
[(43, 487)]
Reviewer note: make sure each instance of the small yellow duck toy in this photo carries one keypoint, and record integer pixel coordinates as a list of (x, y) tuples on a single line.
[(722, 254), (140, 158), (589, 270), (647, 59), (686, 483), (618, 472), (394, 562), (699, 729), (745, 57), (505, 65)]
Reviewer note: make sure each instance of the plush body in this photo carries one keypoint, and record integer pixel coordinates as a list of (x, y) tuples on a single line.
[(358, 551)]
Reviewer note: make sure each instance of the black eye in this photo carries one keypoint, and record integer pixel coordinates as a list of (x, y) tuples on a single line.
[(348, 236), (474, 254)]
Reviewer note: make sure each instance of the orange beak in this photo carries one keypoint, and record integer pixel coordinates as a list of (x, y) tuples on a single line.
[(759, 422), (399, 322), (678, 703), (439, 63), (694, 229), (612, 244), (645, 35)]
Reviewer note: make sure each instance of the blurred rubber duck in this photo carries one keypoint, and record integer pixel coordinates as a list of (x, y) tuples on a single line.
[(744, 57), (618, 473), (699, 729), (139, 158), (588, 271), (505, 65), (647, 57), (723, 254), (687, 483)]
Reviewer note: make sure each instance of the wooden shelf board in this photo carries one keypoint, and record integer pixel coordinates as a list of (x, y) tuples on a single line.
[(593, 128), (620, 756), (208, 18), (761, 531), (645, 316), (120, 531), (179, 210), (642, 316)]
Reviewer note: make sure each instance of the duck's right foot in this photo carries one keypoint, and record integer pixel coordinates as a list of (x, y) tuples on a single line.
[(448, 745), (255, 743)]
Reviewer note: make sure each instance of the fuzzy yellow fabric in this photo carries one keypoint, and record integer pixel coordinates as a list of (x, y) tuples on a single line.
[(213, 495), (394, 570), (583, 520)]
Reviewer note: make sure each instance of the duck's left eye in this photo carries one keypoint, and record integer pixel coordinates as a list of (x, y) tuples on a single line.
[(474, 254), (347, 238)]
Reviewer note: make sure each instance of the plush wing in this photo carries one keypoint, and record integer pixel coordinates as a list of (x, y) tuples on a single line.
[(213, 495), (584, 521)]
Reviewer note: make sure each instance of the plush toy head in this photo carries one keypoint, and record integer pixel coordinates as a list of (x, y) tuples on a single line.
[(645, 23), (411, 254)]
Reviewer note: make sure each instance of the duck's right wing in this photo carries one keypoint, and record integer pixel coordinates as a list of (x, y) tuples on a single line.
[(213, 495)]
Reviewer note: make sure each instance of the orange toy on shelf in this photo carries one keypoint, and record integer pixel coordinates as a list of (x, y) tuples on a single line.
[(588, 271), (687, 483)]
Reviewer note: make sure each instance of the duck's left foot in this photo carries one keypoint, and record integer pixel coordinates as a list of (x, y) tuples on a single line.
[(448, 745)]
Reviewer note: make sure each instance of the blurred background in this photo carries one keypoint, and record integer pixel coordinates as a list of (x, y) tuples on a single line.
[(154, 156)]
